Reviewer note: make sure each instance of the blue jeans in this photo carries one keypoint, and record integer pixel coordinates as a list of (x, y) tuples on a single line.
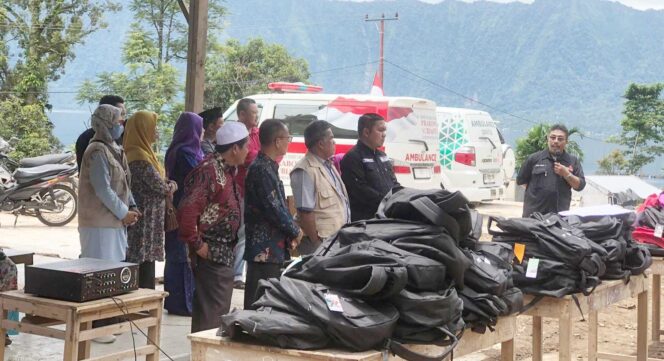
[(238, 267)]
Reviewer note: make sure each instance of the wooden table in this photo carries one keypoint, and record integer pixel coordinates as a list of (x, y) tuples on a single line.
[(206, 345), (19, 257), (606, 294), (78, 317), (657, 270)]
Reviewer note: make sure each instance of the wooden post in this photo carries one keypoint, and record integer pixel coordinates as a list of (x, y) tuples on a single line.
[(195, 85), (537, 338), (656, 294)]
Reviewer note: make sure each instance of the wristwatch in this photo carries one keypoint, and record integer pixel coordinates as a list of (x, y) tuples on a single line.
[(569, 176)]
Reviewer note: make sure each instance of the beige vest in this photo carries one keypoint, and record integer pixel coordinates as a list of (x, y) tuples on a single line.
[(91, 211), (330, 212)]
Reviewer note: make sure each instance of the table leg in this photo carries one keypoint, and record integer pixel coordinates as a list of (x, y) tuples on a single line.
[(71, 337), (537, 338), (642, 327), (2, 333), (592, 335), (154, 333), (656, 287), (84, 346), (198, 351), (565, 337), (507, 351)]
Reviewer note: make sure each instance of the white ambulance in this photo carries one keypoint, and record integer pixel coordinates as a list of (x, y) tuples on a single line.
[(471, 154), (412, 130)]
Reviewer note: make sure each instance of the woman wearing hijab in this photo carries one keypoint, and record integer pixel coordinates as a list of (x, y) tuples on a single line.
[(182, 156), (150, 189), (105, 203)]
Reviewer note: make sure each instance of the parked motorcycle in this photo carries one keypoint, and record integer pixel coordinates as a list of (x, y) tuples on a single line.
[(43, 190)]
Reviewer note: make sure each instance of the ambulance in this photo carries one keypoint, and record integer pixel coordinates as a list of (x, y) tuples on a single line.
[(412, 130), (471, 154)]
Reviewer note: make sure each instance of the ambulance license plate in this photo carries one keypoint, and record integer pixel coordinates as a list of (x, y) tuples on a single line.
[(422, 173)]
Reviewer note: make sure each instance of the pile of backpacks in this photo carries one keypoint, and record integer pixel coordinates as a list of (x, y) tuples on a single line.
[(414, 274), (567, 255), (650, 224), (417, 273)]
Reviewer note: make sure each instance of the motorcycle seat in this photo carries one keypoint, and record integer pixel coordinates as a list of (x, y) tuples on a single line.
[(44, 159), (25, 175)]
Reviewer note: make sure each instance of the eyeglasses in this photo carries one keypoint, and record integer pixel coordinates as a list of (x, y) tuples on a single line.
[(560, 139)]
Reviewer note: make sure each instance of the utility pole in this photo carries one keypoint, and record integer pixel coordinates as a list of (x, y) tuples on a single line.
[(381, 31)]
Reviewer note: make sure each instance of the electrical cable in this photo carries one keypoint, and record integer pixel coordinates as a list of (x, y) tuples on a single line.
[(131, 322), (435, 84)]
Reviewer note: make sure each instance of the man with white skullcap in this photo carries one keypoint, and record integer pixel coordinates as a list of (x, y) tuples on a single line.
[(209, 216)]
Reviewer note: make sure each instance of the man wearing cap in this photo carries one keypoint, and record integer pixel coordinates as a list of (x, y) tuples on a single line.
[(212, 121), (209, 216)]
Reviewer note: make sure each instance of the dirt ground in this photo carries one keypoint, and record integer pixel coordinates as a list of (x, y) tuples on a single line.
[(617, 323)]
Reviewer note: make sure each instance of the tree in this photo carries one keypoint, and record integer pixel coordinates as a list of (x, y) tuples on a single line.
[(41, 36), (642, 133), (156, 42), (613, 164), (45, 33), (29, 124), (536, 140), (234, 70)]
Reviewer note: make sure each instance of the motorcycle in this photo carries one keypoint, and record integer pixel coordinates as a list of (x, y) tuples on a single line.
[(34, 187)]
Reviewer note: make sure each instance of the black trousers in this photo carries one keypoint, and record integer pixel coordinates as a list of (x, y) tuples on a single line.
[(257, 271), (212, 295), (146, 275)]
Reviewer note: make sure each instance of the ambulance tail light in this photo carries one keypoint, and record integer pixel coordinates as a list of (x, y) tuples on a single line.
[(465, 155), (401, 167)]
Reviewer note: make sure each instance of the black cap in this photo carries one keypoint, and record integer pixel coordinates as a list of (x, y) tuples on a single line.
[(210, 116)]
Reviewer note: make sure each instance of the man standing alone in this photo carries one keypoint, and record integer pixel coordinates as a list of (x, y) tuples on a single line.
[(320, 195), (271, 230), (366, 170), (549, 176)]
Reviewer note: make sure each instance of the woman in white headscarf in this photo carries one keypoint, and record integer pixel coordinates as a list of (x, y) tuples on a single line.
[(106, 206)]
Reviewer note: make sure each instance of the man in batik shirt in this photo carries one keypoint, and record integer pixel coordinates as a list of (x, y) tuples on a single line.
[(209, 216), (271, 229)]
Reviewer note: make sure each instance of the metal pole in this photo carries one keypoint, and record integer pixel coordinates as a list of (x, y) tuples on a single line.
[(381, 32)]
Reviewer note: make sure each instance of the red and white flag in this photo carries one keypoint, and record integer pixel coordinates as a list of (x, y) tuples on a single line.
[(377, 86)]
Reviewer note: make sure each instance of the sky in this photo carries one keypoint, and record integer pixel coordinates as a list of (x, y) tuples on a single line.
[(637, 4)]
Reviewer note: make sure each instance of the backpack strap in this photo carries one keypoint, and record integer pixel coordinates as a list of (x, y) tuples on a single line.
[(436, 215), (402, 351)]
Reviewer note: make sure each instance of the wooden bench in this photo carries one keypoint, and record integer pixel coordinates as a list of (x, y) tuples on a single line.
[(143, 306), (19, 257), (206, 345), (606, 294)]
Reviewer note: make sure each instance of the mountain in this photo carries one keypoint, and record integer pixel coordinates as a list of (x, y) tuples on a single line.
[(552, 60)]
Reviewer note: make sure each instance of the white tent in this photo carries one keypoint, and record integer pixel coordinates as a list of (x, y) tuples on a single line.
[(607, 189)]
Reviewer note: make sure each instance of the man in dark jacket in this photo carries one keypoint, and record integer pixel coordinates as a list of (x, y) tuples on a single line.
[(549, 176), (366, 170)]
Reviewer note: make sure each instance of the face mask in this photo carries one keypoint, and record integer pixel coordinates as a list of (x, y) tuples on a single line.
[(116, 131)]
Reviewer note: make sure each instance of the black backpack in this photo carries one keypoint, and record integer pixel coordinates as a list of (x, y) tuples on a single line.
[(421, 239), (274, 327), (428, 317), (434, 206)]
